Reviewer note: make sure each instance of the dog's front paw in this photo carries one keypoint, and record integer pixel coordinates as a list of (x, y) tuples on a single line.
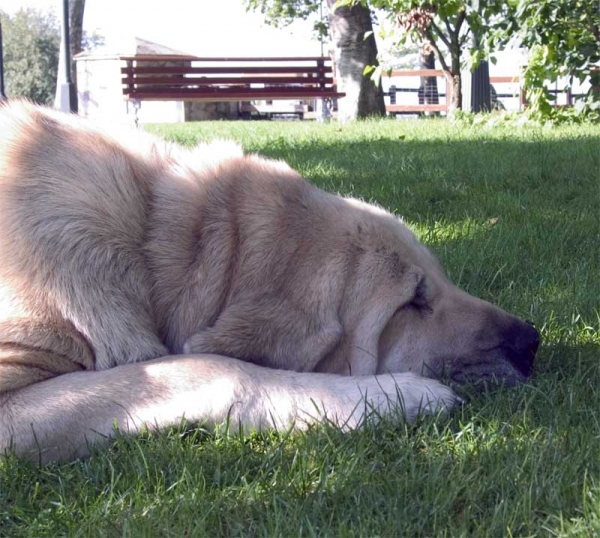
[(410, 394)]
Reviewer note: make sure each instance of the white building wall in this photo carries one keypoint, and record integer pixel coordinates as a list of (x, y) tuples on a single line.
[(100, 96)]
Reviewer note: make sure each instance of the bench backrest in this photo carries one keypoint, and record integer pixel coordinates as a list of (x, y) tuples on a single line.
[(223, 79)]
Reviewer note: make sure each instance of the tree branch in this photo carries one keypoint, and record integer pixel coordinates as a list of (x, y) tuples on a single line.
[(459, 21), (449, 28), (437, 51), (464, 38), (440, 33), (454, 33)]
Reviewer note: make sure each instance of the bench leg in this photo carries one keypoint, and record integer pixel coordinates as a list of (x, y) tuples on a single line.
[(324, 112), (136, 104)]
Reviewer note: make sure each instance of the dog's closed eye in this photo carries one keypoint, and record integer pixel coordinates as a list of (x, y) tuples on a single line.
[(419, 300)]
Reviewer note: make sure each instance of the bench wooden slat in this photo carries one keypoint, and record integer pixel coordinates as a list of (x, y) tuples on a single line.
[(237, 96), (185, 70), (286, 59), (308, 80), (230, 90), (314, 90)]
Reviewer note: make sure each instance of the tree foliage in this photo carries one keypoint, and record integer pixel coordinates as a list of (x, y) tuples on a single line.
[(280, 13), (31, 47), (447, 27), (31, 43), (563, 38)]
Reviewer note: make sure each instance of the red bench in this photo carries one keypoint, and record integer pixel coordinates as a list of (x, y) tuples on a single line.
[(192, 78)]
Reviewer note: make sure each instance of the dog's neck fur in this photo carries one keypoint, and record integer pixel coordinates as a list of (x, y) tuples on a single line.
[(225, 201)]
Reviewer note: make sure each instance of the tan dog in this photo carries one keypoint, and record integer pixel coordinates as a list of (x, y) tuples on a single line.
[(117, 250)]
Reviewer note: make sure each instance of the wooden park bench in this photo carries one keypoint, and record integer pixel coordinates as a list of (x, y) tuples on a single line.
[(243, 80)]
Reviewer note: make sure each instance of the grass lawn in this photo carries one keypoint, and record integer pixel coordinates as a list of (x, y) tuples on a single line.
[(514, 216)]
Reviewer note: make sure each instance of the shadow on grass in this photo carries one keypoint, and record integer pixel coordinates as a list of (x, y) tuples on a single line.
[(432, 172), (452, 180)]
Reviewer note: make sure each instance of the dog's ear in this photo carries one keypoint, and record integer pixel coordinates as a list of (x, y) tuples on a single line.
[(378, 291)]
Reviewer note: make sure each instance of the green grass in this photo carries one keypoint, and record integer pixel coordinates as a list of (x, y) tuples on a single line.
[(514, 216)]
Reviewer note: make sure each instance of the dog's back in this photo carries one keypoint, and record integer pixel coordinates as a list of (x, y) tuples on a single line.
[(73, 208)]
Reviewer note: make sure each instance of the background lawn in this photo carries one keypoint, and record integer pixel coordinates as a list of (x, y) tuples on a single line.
[(514, 217)]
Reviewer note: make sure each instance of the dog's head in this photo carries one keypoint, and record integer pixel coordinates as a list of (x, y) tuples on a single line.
[(445, 332), (337, 285), (430, 327)]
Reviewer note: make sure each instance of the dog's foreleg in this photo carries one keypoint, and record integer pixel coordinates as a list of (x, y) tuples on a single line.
[(59, 418)]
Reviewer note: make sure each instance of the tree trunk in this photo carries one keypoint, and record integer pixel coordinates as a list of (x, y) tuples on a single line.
[(455, 78), (455, 92), (352, 53)]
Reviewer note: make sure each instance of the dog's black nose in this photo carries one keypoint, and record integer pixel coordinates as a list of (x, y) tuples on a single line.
[(529, 339), (524, 342)]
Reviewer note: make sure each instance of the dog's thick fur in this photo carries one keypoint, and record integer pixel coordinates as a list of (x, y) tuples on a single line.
[(119, 250)]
